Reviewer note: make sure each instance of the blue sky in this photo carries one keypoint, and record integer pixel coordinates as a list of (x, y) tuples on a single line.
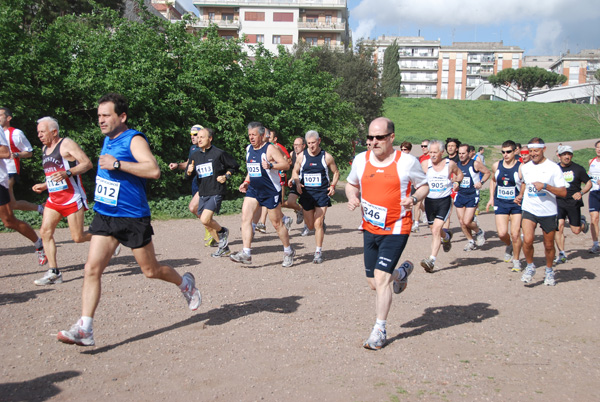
[(540, 27)]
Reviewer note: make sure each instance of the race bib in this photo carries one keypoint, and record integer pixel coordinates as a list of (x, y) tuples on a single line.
[(374, 214), (312, 179), (532, 192), (506, 193), (204, 170), (466, 182), (254, 170), (107, 192), (437, 185), (54, 186)]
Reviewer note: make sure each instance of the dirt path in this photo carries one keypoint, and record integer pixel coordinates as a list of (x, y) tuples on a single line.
[(470, 331)]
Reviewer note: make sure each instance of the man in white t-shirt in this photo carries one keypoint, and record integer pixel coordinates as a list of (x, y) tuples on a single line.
[(6, 214), (20, 148), (542, 182)]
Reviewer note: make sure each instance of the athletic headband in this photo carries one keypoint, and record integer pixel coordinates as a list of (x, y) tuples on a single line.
[(535, 146), (524, 151)]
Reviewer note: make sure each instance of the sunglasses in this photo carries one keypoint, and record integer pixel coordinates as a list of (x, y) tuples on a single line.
[(378, 137), (193, 135), (423, 146), (506, 152)]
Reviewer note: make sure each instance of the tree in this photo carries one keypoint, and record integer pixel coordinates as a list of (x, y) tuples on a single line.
[(597, 75), (357, 79), (391, 79), (525, 79)]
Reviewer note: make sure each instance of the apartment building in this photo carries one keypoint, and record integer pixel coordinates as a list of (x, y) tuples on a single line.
[(579, 68), (418, 63), (276, 22), (465, 65)]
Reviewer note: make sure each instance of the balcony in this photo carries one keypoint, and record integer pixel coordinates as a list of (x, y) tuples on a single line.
[(410, 66), (321, 26), (271, 3), (203, 22)]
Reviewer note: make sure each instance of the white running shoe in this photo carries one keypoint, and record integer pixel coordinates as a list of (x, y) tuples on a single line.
[(318, 258), (287, 222), (480, 238), (376, 340), (528, 274), (305, 231), (76, 336), (516, 266), (508, 253), (549, 279), (470, 246), (561, 258), (49, 278), (595, 249), (241, 257), (399, 285), (299, 216), (288, 259), (191, 294)]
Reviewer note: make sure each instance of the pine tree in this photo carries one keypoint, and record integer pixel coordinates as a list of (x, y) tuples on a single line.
[(391, 78)]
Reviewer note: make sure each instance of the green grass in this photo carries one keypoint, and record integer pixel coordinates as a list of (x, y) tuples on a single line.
[(583, 156), (487, 122)]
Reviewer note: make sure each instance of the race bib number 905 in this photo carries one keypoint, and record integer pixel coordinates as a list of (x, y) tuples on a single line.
[(107, 192)]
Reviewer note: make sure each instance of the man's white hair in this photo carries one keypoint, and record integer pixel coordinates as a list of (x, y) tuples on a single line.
[(312, 134), (52, 123)]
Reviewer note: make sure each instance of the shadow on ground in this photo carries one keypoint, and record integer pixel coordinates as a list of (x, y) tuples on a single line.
[(38, 389), (217, 316)]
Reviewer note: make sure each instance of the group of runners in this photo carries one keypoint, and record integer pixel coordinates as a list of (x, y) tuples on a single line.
[(388, 186)]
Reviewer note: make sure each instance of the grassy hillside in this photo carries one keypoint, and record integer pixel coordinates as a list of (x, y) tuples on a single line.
[(487, 122)]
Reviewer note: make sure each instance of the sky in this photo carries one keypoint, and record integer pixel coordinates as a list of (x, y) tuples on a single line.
[(539, 27)]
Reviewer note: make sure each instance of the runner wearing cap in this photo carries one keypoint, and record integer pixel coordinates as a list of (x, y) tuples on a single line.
[(570, 205)]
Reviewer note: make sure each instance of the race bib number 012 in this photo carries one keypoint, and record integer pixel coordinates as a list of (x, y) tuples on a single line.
[(107, 192)]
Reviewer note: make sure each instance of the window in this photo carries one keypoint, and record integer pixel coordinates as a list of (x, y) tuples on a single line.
[(311, 40), (328, 19), (327, 40), (254, 16), (211, 16), (276, 39), (312, 18), (283, 17), (255, 38), (260, 38), (227, 17)]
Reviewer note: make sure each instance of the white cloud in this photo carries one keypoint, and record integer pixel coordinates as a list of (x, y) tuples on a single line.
[(556, 23), (364, 29)]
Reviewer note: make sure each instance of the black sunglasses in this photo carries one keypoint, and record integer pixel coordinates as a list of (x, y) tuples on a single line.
[(506, 152), (378, 137), (423, 146)]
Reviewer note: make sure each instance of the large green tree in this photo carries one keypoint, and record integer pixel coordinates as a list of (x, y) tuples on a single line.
[(357, 79), (526, 79), (172, 79), (391, 78)]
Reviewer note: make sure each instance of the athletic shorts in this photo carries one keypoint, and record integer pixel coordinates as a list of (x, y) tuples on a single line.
[(130, 232), (506, 208), (547, 223), (270, 201), (4, 195), (571, 210), (437, 208), (210, 202), (66, 210), (594, 201), (14, 176), (468, 201), (382, 252), (293, 189), (309, 200)]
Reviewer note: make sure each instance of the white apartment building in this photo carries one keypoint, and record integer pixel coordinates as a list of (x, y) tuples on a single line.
[(276, 22)]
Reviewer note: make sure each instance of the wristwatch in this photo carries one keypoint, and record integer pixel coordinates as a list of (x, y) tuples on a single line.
[(69, 173), (117, 165), (415, 199)]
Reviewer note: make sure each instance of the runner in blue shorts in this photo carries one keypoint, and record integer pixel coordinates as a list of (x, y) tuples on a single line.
[(263, 189)]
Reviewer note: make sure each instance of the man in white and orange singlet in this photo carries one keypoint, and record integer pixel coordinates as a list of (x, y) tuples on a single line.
[(382, 178), (63, 162)]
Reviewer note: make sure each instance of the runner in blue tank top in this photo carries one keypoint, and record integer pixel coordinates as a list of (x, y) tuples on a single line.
[(311, 175), (263, 189), (504, 189), (123, 167), (467, 197)]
